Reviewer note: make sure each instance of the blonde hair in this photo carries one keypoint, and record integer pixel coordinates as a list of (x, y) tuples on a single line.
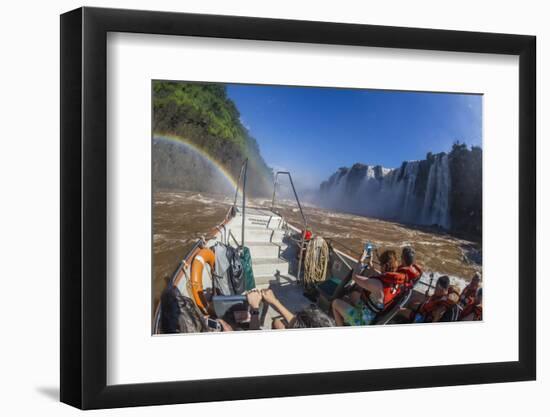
[(388, 260)]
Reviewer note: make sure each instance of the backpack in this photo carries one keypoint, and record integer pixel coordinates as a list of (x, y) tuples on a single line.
[(246, 261), (235, 271), (179, 314)]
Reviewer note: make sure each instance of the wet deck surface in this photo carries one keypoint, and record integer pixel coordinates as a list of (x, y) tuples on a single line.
[(290, 294)]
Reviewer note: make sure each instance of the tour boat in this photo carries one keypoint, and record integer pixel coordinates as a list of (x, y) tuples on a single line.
[(277, 249)]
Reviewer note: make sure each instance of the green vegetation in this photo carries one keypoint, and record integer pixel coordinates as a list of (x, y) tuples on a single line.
[(205, 116)]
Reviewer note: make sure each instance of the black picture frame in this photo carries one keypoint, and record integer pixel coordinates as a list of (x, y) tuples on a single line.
[(84, 207)]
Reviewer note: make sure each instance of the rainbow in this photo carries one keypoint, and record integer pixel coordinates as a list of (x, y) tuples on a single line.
[(180, 141)]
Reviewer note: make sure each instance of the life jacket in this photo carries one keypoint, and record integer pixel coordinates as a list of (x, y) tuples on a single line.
[(392, 284), (448, 301), (434, 302), (477, 311), (413, 273), (468, 294)]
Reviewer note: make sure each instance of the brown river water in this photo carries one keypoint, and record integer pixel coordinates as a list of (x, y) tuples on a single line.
[(180, 218)]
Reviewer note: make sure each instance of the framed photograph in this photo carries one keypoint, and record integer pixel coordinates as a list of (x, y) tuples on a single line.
[(256, 208)]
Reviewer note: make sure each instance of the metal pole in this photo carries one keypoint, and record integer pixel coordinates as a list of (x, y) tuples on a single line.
[(300, 260), (274, 188), (295, 195), (302, 240), (297, 200), (238, 182)]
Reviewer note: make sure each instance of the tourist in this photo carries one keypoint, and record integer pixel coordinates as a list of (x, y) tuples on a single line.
[(377, 291), (449, 309), (473, 311), (469, 292), (310, 317), (408, 266), (435, 306)]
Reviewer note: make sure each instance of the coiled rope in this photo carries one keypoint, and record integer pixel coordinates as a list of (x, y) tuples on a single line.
[(316, 261)]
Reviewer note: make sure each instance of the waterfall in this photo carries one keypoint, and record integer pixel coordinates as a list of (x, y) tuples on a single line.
[(417, 192), (436, 201)]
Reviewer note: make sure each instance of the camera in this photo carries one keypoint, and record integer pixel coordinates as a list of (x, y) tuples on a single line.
[(368, 249), (213, 324)]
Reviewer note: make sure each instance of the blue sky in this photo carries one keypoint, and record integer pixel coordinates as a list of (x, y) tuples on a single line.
[(314, 131)]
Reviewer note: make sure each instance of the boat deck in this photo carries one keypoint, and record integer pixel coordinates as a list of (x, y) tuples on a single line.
[(274, 258)]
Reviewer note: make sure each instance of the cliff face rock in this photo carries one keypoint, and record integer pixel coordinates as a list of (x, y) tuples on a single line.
[(444, 190), (180, 167), (467, 189)]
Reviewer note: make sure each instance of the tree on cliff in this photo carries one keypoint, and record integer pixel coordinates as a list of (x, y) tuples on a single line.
[(204, 115)]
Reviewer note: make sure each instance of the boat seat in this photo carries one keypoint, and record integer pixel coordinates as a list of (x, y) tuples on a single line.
[(224, 303), (331, 289), (389, 313), (334, 288)]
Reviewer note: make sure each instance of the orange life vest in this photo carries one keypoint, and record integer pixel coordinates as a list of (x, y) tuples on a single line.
[(413, 273), (392, 284), (434, 302), (468, 294), (477, 311)]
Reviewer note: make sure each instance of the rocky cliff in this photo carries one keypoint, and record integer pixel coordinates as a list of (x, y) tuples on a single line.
[(444, 189)]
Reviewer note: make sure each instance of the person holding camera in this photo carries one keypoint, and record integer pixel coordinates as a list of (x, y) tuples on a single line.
[(376, 291)]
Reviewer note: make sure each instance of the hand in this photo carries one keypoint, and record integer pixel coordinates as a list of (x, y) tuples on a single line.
[(254, 298), (269, 296), (225, 326)]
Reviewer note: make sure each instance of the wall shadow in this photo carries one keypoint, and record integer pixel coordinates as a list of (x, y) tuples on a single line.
[(50, 392)]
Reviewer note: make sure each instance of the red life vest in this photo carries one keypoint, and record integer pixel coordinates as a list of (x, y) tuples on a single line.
[(434, 302), (413, 273), (392, 284), (477, 311), (468, 294)]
